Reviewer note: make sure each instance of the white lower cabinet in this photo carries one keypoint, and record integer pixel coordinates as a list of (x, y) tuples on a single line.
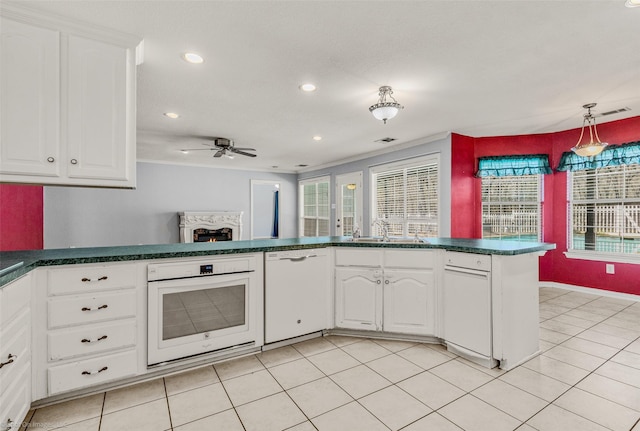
[(359, 298), (89, 323), (397, 296), (15, 352)]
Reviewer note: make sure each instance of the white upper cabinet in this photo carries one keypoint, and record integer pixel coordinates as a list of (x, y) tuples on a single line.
[(68, 102), (30, 108)]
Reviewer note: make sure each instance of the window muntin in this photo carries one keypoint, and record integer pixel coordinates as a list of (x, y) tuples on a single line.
[(512, 207), (314, 202), (405, 195), (604, 210)]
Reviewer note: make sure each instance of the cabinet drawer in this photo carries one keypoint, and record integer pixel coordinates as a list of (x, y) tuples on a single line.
[(91, 372), (14, 342), (14, 297), (86, 340), (481, 262), (92, 278), (79, 310), (359, 257), (16, 400), (414, 259)]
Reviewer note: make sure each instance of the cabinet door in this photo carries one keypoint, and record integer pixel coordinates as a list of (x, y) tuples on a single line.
[(409, 302), (358, 298), (29, 104), (98, 110)]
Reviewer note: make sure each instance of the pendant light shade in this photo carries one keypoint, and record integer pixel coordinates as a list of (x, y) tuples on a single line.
[(592, 146), (385, 109)]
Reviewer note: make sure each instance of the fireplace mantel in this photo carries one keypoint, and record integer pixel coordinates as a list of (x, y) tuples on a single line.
[(190, 220)]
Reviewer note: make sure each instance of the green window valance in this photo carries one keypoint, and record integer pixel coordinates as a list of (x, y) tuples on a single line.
[(502, 166), (613, 155)]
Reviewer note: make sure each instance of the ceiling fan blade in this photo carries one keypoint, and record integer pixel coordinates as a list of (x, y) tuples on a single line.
[(243, 149), (235, 150), (198, 149), (220, 153)]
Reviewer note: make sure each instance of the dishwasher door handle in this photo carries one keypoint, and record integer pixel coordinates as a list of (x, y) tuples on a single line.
[(466, 271), (298, 259)]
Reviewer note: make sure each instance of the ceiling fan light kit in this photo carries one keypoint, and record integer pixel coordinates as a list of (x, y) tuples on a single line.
[(385, 109), (591, 147)]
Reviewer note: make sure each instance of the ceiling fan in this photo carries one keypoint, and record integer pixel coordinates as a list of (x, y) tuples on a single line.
[(222, 147)]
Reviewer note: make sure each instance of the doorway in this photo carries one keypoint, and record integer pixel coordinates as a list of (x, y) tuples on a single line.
[(349, 203)]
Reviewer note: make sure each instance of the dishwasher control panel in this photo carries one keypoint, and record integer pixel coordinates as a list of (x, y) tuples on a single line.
[(480, 262)]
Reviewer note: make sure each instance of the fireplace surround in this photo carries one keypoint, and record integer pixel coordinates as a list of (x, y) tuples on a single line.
[(204, 226)]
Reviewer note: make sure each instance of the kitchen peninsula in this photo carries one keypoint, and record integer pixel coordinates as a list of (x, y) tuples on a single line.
[(84, 319)]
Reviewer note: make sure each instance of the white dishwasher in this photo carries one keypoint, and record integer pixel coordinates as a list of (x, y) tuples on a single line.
[(297, 293), (467, 306)]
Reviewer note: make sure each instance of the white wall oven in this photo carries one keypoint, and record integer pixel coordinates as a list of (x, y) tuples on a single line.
[(203, 306)]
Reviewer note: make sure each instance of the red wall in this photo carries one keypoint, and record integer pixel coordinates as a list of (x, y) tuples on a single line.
[(554, 266), (21, 217)]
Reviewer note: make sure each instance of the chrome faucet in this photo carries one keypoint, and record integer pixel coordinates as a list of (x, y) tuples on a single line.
[(384, 226), (356, 231)]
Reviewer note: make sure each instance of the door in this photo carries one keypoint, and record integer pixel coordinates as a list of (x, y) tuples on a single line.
[(98, 110), (30, 102), (409, 302), (467, 309), (349, 203), (359, 298)]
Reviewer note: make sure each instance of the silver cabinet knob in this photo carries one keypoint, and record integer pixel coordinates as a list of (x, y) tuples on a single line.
[(50, 159), (74, 162)]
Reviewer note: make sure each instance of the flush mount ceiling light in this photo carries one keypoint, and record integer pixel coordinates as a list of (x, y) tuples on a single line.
[(589, 148), (385, 109), (192, 57), (307, 88), (632, 3)]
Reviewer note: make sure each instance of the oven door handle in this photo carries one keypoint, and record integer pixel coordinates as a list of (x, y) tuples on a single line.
[(300, 258)]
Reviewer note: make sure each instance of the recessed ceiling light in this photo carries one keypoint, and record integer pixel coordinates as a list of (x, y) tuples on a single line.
[(308, 87), (317, 138), (192, 57), (184, 151), (171, 115)]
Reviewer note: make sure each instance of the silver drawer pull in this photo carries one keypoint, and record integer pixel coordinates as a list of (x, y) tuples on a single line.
[(88, 340), (90, 373), (10, 360), (102, 307), (87, 280)]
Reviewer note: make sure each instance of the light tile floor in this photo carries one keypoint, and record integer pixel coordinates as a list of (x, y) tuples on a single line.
[(587, 378)]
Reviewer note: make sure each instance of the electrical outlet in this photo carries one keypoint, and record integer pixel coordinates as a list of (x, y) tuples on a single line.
[(610, 269)]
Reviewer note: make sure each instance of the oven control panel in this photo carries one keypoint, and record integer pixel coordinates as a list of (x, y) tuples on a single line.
[(199, 268)]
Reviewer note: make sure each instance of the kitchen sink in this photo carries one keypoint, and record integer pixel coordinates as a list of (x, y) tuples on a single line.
[(395, 240)]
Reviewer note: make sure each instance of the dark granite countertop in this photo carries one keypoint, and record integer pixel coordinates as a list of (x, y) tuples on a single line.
[(14, 264)]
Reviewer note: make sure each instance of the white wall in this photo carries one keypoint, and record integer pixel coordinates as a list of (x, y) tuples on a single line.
[(440, 145), (89, 217)]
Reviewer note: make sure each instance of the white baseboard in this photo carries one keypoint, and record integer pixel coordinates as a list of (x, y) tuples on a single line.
[(591, 290)]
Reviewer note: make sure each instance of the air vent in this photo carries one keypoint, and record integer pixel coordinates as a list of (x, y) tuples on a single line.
[(301, 166), (386, 140), (615, 111)]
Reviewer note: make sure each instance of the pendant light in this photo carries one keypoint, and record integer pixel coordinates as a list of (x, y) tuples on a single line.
[(385, 110), (589, 148)]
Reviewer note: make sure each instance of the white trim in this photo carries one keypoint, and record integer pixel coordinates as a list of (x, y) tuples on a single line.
[(406, 163), (591, 290), (603, 257)]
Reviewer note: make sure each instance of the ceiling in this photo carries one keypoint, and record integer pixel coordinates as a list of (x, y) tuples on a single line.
[(478, 68)]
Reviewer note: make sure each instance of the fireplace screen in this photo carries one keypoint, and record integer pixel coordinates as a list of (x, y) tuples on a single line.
[(212, 235)]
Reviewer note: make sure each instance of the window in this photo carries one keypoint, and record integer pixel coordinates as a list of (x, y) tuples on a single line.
[(604, 209), (511, 207), (405, 195), (314, 211)]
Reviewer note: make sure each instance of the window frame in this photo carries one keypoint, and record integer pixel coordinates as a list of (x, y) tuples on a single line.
[(573, 253), (405, 165), (301, 205)]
